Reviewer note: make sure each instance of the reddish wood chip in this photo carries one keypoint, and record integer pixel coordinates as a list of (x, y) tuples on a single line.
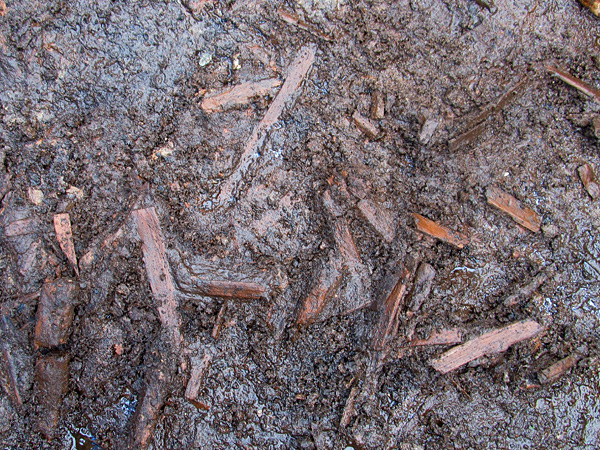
[(507, 203), (242, 94), (427, 226), (55, 313), (379, 218), (588, 177), (62, 226), (495, 341), (21, 227), (329, 281), (555, 371), (365, 125), (199, 369), (51, 384)]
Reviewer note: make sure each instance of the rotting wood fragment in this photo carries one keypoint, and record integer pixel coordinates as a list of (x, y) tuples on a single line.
[(495, 341), (327, 285), (159, 273), (556, 370), (365, 125), (377, 105), (21, 227), (428, 226), (296, 74), (589, 180), (466, 137), (441, 337), (526, 290), (293, 19), (387, 327), (239, 95), (51, 384), (525, 217), (239, 290), (378, 218), (349, 409), (578, 84), (55, 313), (7, 367), (64, 235), (199, 368), (421, 286), (216, 331)]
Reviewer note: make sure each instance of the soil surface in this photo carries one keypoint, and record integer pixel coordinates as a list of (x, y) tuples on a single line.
[(101, 115)]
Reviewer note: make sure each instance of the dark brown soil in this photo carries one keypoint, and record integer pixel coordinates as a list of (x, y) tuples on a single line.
[(100, 115)]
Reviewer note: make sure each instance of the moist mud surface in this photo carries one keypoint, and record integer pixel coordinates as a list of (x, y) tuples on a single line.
[(101, 115)]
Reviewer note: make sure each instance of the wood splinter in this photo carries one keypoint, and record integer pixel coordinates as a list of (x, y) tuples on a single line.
[(495, 341), (525, 217), (239, 95), (578, 84), (428, 226), (64, 235), (556, 370), (589, 180)]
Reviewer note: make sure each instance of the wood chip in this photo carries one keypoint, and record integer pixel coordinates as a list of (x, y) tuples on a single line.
[(442, 337), (326, 287), (557, 370), (199, 368), (366, 125), (51, 385), (466, 137), (378, 218), (8, 371), (55, 313), (495, 341), (421, 286), (298, 70), (158, 271), (62, 226), (239, 95), (592, 5), (349, 409), (238, 290), (387, 327), (427, 226), (377, 105), (578, 84), (216, 331), (590, 182), (525, 217)]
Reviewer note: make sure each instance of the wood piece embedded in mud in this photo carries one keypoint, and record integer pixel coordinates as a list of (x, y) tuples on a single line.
[(556, 370), (159, 273), (239, 95), (55, 313), (526, 290), (64, 235), (7, 366), (51, 384), (239, 290), (575, 82), (298, 70), (421, 286), (366, 125), (378, 218), (441, 337), (495, 341), (589, 180), (327, 285), (349, 409), (199, 368), (387, 326), (428, 226), (377, 105), (525, 217), (216, 331), (151, 402), (467, 137), (592, 5)]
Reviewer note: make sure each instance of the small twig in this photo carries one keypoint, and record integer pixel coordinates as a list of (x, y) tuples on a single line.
[(578, 84)]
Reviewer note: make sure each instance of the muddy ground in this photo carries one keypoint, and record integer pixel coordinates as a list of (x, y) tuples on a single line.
[(101, 115)]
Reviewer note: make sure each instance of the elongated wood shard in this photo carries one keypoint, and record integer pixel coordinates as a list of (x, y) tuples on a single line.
[(239, 95), (51, 384), (556, 370), (64, 235), (378, 217), (428, 226), (240, 290), (296, 74), (589, 180), (366, 125), (441, 337), (578, 84), (525, 217), (158, 271), (55, 313), (325, 288), (387, 327), (495, 341), (199, 368)]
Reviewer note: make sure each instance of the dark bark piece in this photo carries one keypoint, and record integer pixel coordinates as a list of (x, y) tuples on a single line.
[(239, 95), (296, 74), (428, 226), (365, 125), (293, 19), (590, 182), (8, 372), (495, 341), (466, 137), (377, 105), (55, 313), (51, 384), (239, 290), (557, 370), (578, 84), (421, 286), (387, 327), (199, 368), (64, 235), (159, 273), (525, 217)]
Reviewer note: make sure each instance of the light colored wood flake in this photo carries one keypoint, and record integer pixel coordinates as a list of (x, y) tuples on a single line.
[(239, 95), (525, 217), (428, 226), (64, 235)]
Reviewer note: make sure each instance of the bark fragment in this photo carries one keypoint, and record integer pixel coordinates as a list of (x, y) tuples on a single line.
[(379, 218), (366, 125), (495, 341), (557, 370), (64, 235), (428, 226), (589, 180), (51, 385), (525, 217), (55, 313)]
